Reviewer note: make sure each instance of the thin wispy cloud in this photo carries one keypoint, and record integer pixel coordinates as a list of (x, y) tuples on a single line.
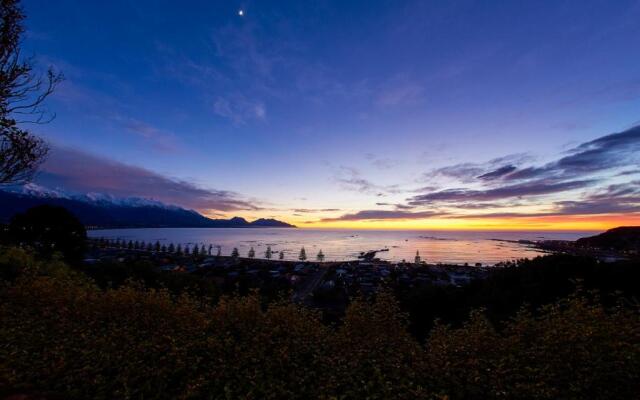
[(373, 215), (379, 162), (351, 179), (314, 210)]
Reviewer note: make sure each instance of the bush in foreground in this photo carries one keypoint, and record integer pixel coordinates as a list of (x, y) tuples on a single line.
[(61, 335)]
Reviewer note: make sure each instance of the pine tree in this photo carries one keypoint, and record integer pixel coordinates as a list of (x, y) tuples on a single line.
[(163, 248), (187, 251), (130, 245), (209, 250), (252, 253), (418, 259), (281, 255), (235, 253), (196, 252), (268, 253), (320, 256), (203, 251), (158, 246), (171, 248), (136, 245), (303, 254), (149, 247), (179, 250), (219, 253)]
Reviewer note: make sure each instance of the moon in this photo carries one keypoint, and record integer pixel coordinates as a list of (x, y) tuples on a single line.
[(241, 13)]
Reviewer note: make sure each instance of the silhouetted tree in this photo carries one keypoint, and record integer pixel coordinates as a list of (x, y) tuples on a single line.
[(163, 248), (196, 251), (303, 254), (186, 250), (320, 256), (209, 249), (235, 253), (22, 94), (171, 248), (281, 255), (219, 253), (203, 251), (179, 250), (268, 253), (252, 253), (158, 246), (50, 229), (418, 260)]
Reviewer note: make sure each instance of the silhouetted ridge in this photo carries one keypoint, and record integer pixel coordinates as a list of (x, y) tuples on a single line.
[(119, 214), (620, 238)]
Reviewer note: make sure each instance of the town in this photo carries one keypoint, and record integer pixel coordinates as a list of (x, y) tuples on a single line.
[(314, 283)]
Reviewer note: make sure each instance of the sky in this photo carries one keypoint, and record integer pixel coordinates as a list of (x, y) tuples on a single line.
[(359, 114)]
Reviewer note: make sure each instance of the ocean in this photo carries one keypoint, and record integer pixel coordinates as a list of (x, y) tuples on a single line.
[(454, 247)]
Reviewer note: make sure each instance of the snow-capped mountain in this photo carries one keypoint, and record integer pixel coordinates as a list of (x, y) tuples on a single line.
[(104, 210), (35, 190)]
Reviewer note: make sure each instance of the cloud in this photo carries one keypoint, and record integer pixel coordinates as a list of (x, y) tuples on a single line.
[(80, 172), (616, 198), (471, 172), (384, 215), (533, 188), (631, 172), (381, 162), (613, 199), (498, 173), (580, 168), (464, 172), (403, 93), (605, 153), (239, 109), (350, 179), (314, 210), (112, 111), (483, 206), (158, 138)]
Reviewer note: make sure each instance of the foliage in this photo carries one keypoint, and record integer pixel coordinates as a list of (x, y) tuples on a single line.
[(61, 335), (48, 230), (534, 283)]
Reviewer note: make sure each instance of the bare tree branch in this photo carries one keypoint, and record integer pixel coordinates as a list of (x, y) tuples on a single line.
[(22, 96)]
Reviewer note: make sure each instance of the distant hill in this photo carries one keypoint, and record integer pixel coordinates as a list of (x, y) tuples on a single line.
[(621, 238), (108, 212)]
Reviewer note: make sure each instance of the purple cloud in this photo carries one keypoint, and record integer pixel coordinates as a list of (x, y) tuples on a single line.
[(533, 188), (384, 214), (80, 172)]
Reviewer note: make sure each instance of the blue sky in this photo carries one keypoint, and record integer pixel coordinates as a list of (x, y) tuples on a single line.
[(348, 106)]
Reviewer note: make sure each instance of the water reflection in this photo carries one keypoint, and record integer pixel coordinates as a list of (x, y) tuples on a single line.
[(434, 246)]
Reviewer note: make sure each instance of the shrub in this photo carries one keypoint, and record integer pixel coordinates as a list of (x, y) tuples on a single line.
[(62, 335)]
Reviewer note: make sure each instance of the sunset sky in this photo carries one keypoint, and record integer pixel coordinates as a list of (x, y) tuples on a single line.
[(367, 114)]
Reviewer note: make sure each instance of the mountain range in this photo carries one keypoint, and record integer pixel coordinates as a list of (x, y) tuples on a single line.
[(106, 211)]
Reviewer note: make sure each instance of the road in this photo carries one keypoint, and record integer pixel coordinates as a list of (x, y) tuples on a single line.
[(310, 284)]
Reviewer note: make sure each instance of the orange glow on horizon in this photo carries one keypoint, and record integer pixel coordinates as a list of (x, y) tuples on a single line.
[(537, 223), (548, 223)]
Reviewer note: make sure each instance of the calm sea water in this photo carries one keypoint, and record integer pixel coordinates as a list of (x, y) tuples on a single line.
[(434, 246)]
